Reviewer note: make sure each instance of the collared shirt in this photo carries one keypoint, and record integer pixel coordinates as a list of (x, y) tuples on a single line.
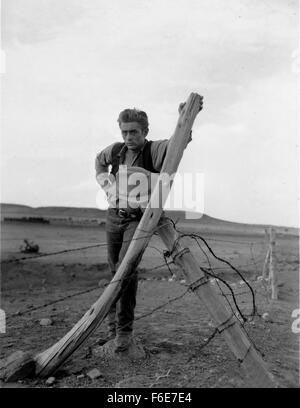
[(129, 157)]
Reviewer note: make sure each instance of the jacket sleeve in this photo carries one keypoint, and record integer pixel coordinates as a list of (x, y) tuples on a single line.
[(104, 159), (159, 150)]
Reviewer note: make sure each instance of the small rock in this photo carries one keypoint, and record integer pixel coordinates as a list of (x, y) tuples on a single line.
[(94, 373), (169, 311), (183, 281), (266, 316), (80, 376), (50, 381), (171, 280), (241, 282), (46, 322)]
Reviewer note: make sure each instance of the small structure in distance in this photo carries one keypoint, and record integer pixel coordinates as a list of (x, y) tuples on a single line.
[(29, 247)]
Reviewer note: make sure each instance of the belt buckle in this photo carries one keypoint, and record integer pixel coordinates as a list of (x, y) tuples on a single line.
[(122, 213)]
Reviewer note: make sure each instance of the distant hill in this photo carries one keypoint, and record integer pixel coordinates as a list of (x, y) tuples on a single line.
[(15, 208), (24, 210), (207, 223)]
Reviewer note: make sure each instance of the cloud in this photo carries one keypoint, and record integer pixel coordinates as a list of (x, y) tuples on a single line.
[(73, 65), (33, 21), (251, 165)]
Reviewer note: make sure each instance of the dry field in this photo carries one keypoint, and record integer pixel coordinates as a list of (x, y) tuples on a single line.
[(175, 335)]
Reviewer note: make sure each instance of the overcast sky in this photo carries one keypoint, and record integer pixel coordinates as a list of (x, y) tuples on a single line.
[(73, 65)]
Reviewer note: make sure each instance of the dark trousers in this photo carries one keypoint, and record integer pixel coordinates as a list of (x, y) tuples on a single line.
[(119, 233)]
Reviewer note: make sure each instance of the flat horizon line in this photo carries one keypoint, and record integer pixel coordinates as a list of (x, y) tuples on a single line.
[(168, 210)]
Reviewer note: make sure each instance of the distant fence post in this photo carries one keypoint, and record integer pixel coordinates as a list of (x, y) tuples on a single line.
[(272, 265), (269, 273), (265, 270)]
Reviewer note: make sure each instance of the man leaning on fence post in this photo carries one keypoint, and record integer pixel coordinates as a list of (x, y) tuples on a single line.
[(121, 221)]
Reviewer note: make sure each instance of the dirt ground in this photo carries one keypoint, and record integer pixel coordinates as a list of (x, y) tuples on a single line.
[(174, 336)]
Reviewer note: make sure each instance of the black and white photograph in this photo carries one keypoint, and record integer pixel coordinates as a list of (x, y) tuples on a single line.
[(149, 197)]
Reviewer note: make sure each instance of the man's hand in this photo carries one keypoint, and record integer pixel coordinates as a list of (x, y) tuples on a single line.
[(105, 180), (180, 109), (182, 105)]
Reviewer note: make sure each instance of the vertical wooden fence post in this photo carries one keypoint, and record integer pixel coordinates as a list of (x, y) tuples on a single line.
[(265, 270), (272, 265)]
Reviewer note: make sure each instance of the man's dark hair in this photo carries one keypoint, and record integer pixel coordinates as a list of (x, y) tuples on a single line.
[(134, 115)]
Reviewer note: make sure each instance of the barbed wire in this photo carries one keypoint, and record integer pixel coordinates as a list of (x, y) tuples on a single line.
[(61, 299), (189, 288), (234, 242), (255, 263), (194, 236), (100, 244), (52, 302), (210, 273), (28, 258)]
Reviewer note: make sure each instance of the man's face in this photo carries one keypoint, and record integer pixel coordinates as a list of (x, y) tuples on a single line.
[(133, 135)]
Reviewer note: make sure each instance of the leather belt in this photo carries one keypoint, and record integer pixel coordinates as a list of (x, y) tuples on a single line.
[(127, 214)]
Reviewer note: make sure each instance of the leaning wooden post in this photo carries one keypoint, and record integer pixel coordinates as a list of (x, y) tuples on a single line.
[(226, 323), (48, 361), (272, 266)]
